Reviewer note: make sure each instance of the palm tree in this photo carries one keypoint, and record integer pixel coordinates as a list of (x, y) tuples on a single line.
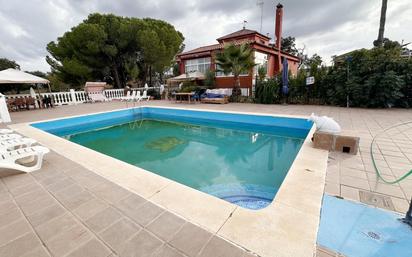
[(236, 60), (382, 22)]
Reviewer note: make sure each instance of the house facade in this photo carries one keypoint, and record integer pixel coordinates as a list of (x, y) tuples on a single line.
[(266, 54)]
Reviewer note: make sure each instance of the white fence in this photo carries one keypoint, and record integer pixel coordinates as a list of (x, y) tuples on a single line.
[(58, 98), (77, 97)]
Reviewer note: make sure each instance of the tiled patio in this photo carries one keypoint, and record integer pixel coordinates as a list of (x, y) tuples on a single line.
[(66, 209)]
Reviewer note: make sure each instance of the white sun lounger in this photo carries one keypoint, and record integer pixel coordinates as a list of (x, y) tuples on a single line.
[(9, 136), (137, 97), (6, 131), (9, 160), (133, 95), (99, 97), (145, 96), (13, 144), (127, 97)]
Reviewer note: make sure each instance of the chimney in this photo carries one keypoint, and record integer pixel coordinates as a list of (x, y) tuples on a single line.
[(278, 25), (278, 35)]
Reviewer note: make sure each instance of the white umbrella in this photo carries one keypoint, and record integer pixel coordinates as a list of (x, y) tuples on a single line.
[(12, 76), (146, 86), (32, 92), (4, 111)]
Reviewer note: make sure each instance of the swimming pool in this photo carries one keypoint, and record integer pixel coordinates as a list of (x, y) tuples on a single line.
[(240, 158)]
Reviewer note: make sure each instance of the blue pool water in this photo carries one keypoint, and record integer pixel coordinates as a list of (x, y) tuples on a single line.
[(242, 159)]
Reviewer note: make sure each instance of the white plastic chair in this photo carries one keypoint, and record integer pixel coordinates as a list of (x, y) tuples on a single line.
[(145, 96), (9, 160), (137, 97), (98, 97), (9, 136), (6, 131), (13, 144), (132, 96), (127, 97)]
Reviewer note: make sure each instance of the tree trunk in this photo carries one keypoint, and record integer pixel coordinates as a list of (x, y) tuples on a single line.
[(382, 22), (236, 92), (150, 75), (237, 81), (116, 76)]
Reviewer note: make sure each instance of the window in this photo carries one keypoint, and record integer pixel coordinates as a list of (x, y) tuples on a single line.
[(222, 74), (199, 64), (261, 60)]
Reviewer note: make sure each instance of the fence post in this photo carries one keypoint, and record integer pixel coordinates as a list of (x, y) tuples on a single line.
[(73, 96)]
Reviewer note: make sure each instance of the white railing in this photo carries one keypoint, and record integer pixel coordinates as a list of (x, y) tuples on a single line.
[(80, 96), (119, 93), (58, 98), (75, 97), (114, 93)]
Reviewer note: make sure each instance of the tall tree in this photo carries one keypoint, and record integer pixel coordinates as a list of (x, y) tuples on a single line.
[(109, 46), (7, 64), (379, 41), (236, 60), (159, 44), (38, 73), (289, 45)]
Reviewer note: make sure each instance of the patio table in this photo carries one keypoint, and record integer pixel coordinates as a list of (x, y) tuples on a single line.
[(183, 95)]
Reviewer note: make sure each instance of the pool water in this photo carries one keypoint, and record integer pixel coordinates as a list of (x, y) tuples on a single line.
[(240, 166)]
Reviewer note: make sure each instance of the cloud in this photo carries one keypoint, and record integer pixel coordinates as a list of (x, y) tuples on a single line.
[(323, 26)]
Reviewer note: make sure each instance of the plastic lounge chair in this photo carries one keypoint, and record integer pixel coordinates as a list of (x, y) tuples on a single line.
[(137, 97), (145, 96), (133, 96), (9, 160), (9, 136), (13, 144), (127, 97), (6, 131), (97, 98)]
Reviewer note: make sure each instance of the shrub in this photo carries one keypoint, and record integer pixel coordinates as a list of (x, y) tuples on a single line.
[(209, 81), (154, 93), (267, 92), (189, 86)]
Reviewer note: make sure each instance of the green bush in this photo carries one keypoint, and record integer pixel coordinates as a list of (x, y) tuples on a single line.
[(267, 92), (154, 93), (372, 78), (209, 81), (189, 86)]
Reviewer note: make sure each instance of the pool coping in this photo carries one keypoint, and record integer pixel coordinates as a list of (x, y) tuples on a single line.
[(287, 227)]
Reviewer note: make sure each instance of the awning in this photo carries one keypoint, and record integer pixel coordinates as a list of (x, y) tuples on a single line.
[(188, 77), (12, 76)]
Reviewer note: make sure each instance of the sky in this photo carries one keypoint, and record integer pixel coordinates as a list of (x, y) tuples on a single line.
[(324, 27)]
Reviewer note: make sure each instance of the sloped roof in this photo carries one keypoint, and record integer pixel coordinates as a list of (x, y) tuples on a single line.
[(203, 49), (239, 33), (206, 49), (216, 47)]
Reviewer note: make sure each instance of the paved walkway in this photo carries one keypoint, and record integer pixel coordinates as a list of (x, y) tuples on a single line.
[(66, 210)]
